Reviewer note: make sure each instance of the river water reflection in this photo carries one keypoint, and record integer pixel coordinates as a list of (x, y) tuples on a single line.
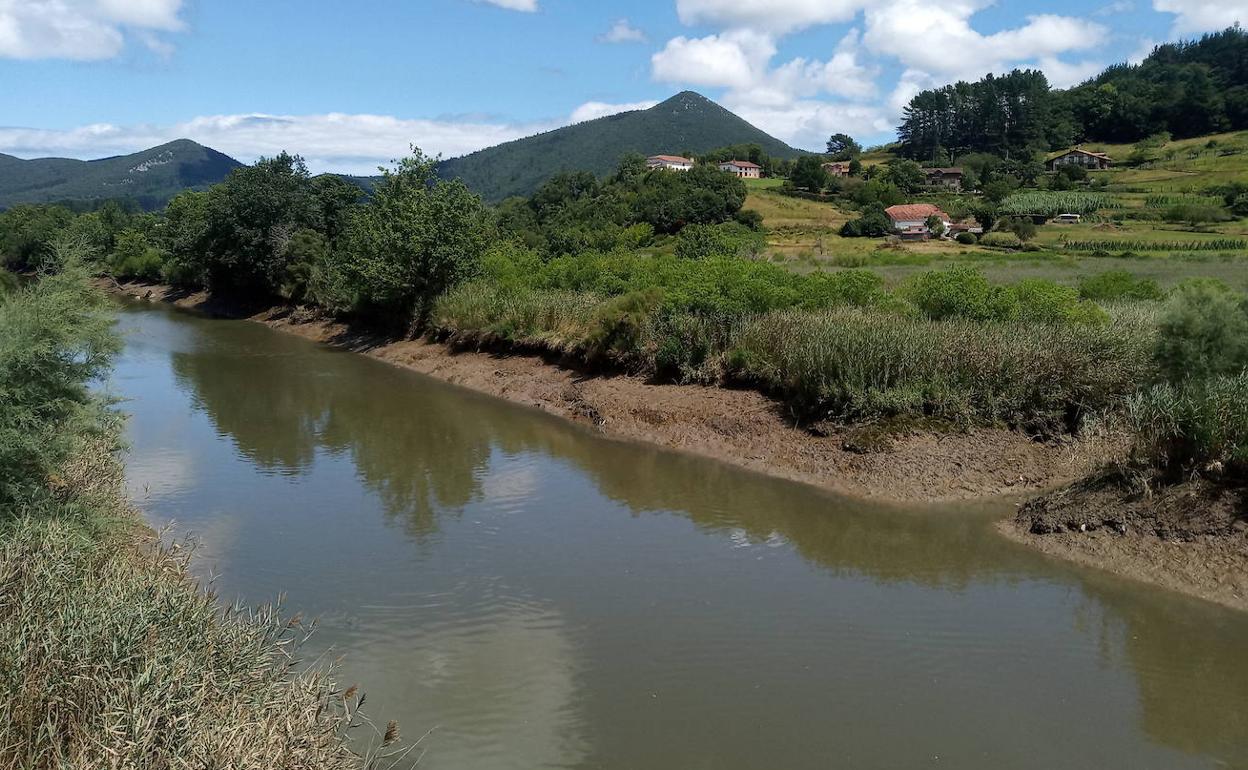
[(541, 597)]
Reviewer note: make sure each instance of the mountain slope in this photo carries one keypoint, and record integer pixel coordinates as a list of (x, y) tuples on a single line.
[(688, 122), (150, 177)]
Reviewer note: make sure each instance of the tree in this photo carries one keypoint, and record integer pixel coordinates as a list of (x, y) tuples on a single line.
[(935, 225), (809, 174), (419, 236), (251, 216), (905, 175), (843, 147)]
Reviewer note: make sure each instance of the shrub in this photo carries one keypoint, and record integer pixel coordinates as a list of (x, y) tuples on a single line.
[(1195, 214), (1115, 285), (966, 239), (1203, 331), (55, 337), (998, 240), (1194, 426), (619, 324), (726, 240), (1022, 227), (960, 292), (873, 223), (1041, 301)]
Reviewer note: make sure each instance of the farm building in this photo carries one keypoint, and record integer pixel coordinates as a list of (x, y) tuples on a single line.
[(1077, 157), (911, 218), (742, 168), (670, 162)]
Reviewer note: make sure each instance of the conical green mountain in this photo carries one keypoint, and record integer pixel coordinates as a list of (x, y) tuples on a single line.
[(687, 122)]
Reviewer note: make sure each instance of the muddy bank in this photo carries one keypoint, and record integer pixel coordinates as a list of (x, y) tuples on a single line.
[(1191, 537), (740, 427)]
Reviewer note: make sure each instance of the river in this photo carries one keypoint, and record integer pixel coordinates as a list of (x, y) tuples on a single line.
[(541, 597)]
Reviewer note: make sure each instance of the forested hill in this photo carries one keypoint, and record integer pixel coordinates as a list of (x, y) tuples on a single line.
[(149, 178), (687, 122), (1186, 89)]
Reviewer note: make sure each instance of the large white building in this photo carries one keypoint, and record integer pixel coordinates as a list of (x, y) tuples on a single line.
[(670, 162), (742, 168)]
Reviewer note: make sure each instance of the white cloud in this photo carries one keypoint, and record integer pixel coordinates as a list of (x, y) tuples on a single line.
[(83, 30), (623, 32), (527, 6), (735, 59), (592, 110), (1118, 6), (353, 144), (951, 47), (1195, 16), (775, 16)]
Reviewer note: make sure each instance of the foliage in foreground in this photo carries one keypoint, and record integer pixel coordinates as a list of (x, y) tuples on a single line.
[(112, 657), (55, 337)]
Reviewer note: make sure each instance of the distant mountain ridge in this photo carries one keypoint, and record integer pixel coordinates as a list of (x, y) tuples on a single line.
[(150, 178), (687, 122)]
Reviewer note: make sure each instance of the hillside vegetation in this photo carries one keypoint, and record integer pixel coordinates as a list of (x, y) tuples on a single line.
[(148, 178), (685, 123)]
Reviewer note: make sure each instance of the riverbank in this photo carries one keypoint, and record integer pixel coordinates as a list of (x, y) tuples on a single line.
[(904, 464), (1190, 537)]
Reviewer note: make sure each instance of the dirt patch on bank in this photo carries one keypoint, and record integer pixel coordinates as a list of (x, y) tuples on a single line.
[(741, 427), (1191, 537)]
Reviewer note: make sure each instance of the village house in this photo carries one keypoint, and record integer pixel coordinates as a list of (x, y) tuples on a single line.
[(670, 162), (943, 178), (910, 220), (742, 168), (836, 169), (1077, 157)]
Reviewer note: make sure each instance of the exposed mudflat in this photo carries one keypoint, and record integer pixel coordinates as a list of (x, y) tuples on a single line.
[(1191, 537), (741, 427)]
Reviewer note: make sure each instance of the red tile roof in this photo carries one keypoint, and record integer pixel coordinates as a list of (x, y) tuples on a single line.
[(914, 212), (740, 164), (670, 159)]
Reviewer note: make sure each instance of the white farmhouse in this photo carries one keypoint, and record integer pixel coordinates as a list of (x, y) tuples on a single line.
[(742, 168), (670, 162)]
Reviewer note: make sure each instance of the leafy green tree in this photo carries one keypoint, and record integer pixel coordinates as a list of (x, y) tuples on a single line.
[(935, 225), (905, 175), (251, 217), (809, 174), (419, 236), (843, 147)]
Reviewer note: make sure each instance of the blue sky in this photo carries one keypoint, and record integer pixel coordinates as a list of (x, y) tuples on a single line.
[(351, 85)]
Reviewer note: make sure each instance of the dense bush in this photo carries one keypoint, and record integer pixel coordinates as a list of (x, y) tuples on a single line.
[(1203, 331), (1000, 240), (55, 337), (873, 223), (966, 239), (1116, 285), (730, 239)]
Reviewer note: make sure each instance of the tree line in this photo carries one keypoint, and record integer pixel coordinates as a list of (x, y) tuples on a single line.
[(274, 230), (1186, 89)]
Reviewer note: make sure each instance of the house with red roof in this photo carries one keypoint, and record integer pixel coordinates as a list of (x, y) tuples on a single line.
[(911, 219), (670, 162), (742, 168)]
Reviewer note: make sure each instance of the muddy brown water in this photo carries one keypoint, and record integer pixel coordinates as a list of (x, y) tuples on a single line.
[(540, 597)]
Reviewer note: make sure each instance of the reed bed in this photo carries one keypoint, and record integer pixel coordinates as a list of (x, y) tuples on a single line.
[(854, 364), (1193, 427)]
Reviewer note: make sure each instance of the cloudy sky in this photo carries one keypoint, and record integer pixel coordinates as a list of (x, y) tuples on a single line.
[(350, 85)]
